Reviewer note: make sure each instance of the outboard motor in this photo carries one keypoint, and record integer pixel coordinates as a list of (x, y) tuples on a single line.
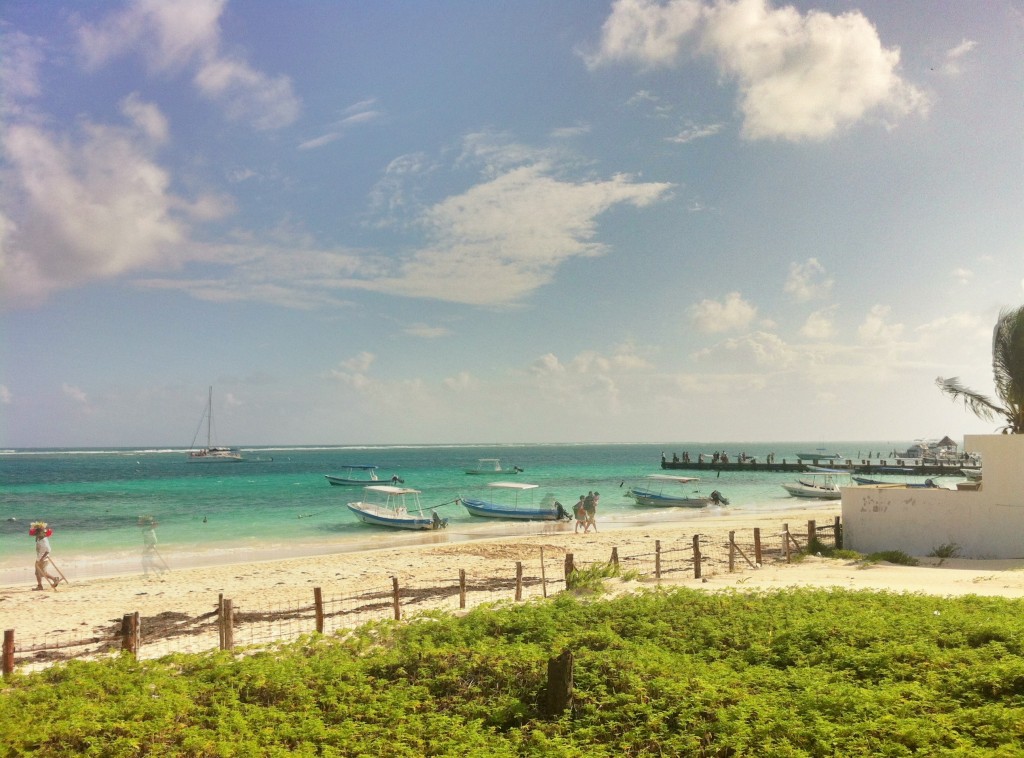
[(438, 522), (718, 499), (563, 515)]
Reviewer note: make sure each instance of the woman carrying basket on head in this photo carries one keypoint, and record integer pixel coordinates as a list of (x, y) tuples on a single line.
[(41, 531)]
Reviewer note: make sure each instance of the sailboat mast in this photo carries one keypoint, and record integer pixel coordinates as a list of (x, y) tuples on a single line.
[(209, 418)]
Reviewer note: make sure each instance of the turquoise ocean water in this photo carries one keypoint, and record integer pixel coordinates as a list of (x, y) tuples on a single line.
[(277, 503)]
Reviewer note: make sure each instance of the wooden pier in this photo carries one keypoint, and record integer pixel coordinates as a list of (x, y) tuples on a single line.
[(794, 465)]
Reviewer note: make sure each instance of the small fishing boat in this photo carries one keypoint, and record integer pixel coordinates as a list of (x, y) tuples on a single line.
[(514, 500), (395, 507), (821, 455), (667, 491), (210, 453), (927, 483), (356, 476), (485, 466), (816, 486)]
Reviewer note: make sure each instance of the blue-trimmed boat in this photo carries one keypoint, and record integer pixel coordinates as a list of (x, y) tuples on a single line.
[(514, 500), (395, 507), (356, 476)]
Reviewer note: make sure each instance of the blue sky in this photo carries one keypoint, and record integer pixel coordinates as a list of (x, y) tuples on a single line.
[(451, 222)]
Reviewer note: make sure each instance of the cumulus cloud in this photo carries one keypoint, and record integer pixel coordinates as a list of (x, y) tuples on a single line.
[(185, 36), (731, 314), (799, 75), (820, 325), (807, 281), (87, 209), (876, 330)]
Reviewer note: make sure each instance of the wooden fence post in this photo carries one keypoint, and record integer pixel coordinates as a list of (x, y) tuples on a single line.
[(8, 665), (785, 539), (657, 559), (560, 683), (732, 551), (220, 620), (615, 557), (519, 581), (130, 633), (229, 625), (696, 556), (757, 545), (318, 603), (570, 566), (838, 532), (812, 533), (543, 577), (396, 598), (462, 588)]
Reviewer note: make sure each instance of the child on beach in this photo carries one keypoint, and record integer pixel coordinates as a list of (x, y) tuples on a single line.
[(42, 532), (580, 514)]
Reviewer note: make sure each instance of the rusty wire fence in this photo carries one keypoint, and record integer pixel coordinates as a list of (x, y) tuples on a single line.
[(229, 625)]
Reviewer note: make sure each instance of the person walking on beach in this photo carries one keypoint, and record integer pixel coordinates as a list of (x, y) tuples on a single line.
[(588, 511), (592, 511), (41, 531), (580, 513)]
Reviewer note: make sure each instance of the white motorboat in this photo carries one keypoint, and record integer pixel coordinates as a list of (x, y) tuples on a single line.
[(395, 507), (816, 486), (485, 466)]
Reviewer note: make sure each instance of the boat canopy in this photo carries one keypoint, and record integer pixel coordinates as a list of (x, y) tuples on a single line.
[(359, 468), (389, 489), (670, 478), (513, 485)]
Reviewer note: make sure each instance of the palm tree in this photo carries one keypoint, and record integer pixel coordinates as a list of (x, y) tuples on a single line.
[(1008, 369)]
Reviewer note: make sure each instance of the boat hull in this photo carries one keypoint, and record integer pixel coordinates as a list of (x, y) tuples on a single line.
[(343, 482), (381, 516), (665, 501), (488, 509), (812, 493), (216, 456)]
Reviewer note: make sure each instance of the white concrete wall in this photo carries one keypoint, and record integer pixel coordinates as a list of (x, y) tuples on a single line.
[(987, 523)]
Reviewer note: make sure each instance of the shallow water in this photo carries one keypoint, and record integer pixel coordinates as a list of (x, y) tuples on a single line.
[(277, 503)]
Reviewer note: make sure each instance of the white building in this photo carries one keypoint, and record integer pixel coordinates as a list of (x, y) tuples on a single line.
[(987, 522)]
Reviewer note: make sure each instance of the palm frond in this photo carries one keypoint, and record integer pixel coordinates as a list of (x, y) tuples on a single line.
[(1008, 365), (978, 404)]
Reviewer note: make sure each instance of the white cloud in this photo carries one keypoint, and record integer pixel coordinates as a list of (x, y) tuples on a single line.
[(645, 32), (86, 210), (358, 114), (820, 325), (693, 132), (500, 240), (733, 313), (173, 37), (800, 76), (19, 69), (74, 393), (5, 395), (807, 281), (875, 329), (955, 57)]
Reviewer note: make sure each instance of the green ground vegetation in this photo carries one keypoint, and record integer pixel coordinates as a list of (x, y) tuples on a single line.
[(678, 672)]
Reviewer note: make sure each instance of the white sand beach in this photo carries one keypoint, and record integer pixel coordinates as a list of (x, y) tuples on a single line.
[(82, 606)]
